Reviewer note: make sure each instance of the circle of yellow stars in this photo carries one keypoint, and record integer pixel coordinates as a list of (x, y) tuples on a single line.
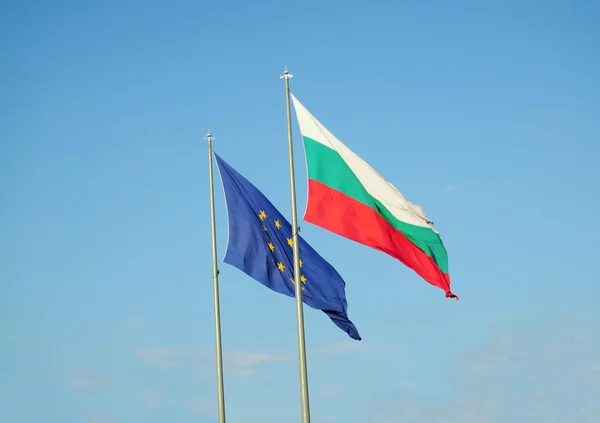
[(263, 216)]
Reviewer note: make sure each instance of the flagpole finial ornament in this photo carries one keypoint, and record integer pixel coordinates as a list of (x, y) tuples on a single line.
[(209, 136), (286, 74)]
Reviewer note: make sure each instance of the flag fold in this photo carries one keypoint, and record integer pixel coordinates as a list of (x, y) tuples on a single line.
[(348, 197), (260, 245)]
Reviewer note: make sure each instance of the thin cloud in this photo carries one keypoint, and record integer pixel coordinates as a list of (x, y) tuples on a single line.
[(332, 393), (133, 323), (157, 356), (202, 407), (244, 363), (347, 346), (98, 416), (83, 379), (545, 373), (152, 399), (238, 363)]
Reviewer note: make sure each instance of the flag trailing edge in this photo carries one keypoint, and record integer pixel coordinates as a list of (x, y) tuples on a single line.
[(348, 197), (260, 244)]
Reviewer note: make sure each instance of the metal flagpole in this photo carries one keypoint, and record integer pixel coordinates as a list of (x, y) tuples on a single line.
[(299, 307), (215, 272)]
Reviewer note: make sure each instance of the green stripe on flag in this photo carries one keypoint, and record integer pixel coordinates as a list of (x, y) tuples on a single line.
[(328, 167)]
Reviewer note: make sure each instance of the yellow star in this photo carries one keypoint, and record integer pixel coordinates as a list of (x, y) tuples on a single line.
[(277, 224), (264, 227), (300, 262), (290, 241), (302, 278), (262, 215), (271, 246), (280, 266), (294, 282)]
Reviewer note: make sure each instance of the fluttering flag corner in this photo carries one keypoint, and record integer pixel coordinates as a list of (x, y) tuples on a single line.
[(348, 197), (260, 245)]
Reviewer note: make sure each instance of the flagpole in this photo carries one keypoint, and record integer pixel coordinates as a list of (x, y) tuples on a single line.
[(215, 272), (298, 285)]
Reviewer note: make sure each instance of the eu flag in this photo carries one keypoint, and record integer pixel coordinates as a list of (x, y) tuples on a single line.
[(260, 245)]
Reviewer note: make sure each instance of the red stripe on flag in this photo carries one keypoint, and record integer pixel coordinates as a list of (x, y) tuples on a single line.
[(341, 214)]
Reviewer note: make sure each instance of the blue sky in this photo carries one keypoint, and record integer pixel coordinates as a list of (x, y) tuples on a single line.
[(484, 113)]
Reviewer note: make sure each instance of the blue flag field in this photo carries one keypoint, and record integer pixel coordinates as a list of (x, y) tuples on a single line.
[(260, 245)]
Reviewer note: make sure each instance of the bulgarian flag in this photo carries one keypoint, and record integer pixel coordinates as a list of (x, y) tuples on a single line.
[(347, 197)]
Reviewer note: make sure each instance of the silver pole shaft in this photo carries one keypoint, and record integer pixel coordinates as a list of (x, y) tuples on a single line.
[(299, 306), (215, 272)]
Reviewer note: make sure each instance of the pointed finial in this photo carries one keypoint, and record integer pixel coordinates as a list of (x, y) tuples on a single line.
[(209, 136), (286, 74)]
